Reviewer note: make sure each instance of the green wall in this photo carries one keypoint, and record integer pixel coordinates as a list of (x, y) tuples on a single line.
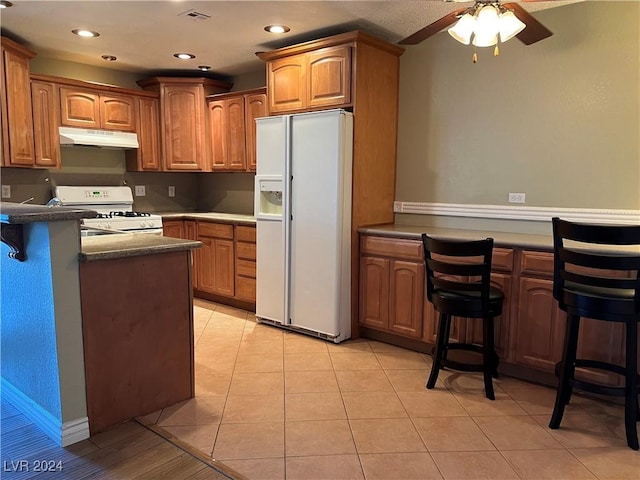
[(557, 120)]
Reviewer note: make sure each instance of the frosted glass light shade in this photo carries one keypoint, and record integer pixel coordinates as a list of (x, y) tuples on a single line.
[(510, 26), (488, 22), (485, 40), (463, 29)]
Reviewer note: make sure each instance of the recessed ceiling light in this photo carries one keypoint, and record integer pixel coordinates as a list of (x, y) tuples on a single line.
[(5, 4), (85, 33), (184, 56), (277, 28), (204, 68), (109, 58)]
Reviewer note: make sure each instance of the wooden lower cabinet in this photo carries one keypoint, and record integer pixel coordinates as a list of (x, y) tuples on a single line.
[(225, 265), (391, 290), (529, 335)]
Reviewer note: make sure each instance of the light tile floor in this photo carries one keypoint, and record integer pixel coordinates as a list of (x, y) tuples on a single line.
[(273, 404)]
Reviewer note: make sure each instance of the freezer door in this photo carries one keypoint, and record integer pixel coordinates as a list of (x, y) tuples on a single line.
[(320, 222), (269, 211)]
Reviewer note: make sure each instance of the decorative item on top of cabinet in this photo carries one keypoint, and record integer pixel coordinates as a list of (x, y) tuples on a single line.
[(183, 119), (232, 129), (46, 118), (148, 155), (89, 108), (18, 148), (391, 285)]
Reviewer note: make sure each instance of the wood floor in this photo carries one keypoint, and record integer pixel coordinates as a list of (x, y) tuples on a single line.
[(128, 451)]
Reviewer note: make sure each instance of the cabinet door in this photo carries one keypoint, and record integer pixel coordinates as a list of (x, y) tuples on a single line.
[(236, 153), (218, 135), (183, 135), (45, 124), (117, 113), (224, 272), (79, 108), (286, 83), (406, 298), (540, 325), (17, 117), (329, 77), (255, 106), (206, 266), (374, 292), (191, 233), (148, 152), (172, 228)]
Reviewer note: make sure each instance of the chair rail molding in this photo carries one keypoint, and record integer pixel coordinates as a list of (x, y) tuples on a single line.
[(508, 212)]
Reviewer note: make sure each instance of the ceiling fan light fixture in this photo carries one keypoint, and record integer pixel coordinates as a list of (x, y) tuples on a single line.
[(463, 29), (510, 26), (5, 4), (485, 40)]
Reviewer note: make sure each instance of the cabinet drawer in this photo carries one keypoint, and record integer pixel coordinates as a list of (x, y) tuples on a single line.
[(217, 230), (246, 234), (392, 247), (246, 268), (246, 288), (502, 259), (246, 251), (537, 263)]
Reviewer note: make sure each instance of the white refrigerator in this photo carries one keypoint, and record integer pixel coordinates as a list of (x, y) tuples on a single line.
[(303, 221)]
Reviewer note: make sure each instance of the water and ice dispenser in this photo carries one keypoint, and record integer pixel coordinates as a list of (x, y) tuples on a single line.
[(269, 200)]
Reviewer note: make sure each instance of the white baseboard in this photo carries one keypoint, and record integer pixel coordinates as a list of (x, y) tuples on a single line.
[(509, 212), (63, 434)]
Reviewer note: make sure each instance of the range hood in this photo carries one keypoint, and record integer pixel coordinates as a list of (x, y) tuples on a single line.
[(97, 138)]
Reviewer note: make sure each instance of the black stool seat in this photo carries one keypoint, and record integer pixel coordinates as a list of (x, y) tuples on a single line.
[(584, 286), (448, 266)]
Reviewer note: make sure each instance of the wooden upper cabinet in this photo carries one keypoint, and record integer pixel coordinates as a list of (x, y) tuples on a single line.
[(232, 131), (46, 115), (15, 97), (329, 77), (183, 118), (318, 79), (255, 106), (117, 113), (91, 109), (286, 84), (148, 156)]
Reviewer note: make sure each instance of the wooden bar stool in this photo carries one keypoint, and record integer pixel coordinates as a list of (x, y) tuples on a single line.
[(449, 264), (596, 276)]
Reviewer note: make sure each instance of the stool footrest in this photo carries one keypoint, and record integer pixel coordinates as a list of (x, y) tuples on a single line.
[(597, 388)]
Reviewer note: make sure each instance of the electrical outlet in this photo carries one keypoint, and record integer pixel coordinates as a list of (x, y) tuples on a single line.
[(6, 191), (516, 197), (172, 191), (140, 191)]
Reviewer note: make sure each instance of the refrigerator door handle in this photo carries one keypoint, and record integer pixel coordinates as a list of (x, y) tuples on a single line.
[(288, 216)]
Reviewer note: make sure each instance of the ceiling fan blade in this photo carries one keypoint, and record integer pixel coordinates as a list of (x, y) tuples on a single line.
[(433, 28), (535, 31)]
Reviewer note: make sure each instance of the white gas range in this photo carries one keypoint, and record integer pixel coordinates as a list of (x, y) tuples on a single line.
[(115, 210)]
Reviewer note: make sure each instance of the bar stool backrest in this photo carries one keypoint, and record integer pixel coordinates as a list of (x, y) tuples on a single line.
[(596, 269)]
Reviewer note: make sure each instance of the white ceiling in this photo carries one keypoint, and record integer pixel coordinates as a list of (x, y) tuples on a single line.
[(144, 35)]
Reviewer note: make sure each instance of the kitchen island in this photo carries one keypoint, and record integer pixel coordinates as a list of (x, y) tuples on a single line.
[(94, 331)]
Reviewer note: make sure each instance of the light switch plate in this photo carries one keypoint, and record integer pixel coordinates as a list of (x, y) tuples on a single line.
[(6, 191), (140, 191), (172, 191)]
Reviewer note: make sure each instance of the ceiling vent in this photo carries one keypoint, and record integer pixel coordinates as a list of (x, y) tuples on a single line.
[(195, 15)]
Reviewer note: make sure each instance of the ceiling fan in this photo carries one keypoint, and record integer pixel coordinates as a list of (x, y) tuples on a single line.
[(534, 31)]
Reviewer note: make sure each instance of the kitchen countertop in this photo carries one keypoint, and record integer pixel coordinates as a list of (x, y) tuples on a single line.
[(504, 239), (105, 247), (17, 213), (214, 216)]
